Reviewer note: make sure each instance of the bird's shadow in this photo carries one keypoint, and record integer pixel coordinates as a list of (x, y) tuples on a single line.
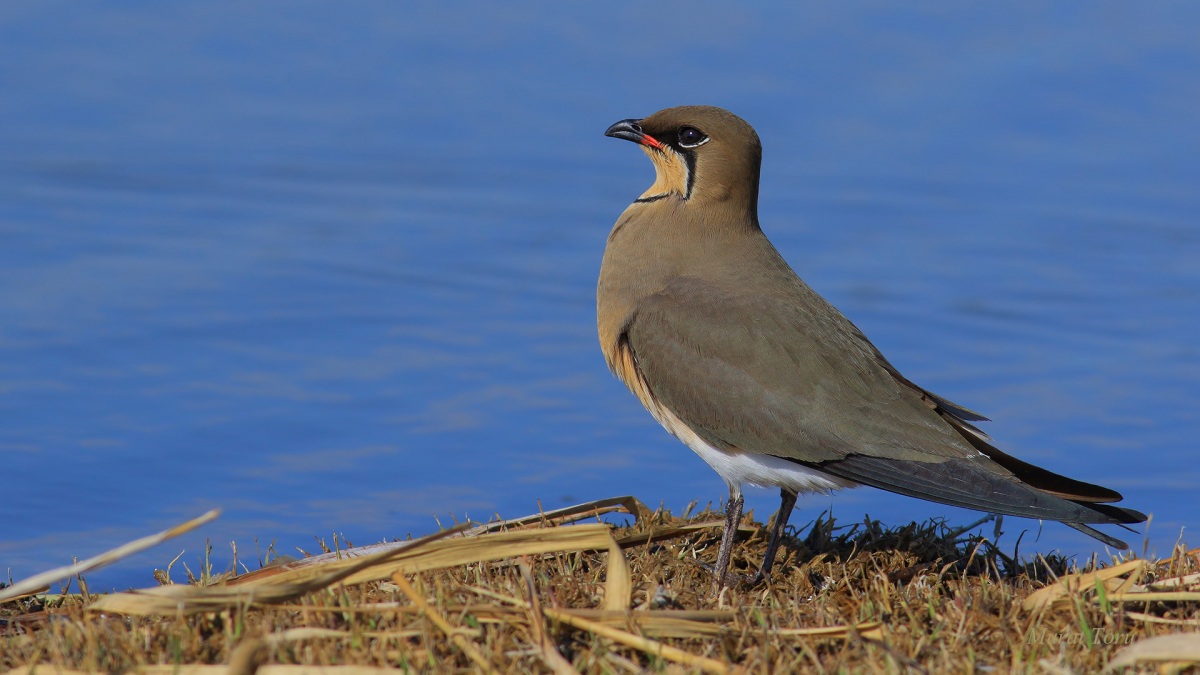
[(931, 545)]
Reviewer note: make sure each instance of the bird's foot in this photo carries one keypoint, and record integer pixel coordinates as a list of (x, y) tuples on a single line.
[(758, 579), (732, 579)]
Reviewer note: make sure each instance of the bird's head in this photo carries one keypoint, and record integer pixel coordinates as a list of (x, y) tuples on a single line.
[(701, 155)]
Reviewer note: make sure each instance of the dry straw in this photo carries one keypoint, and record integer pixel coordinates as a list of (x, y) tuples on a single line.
[(853, 599)]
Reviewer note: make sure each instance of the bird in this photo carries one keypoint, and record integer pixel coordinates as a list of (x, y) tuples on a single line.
[(732, 353)]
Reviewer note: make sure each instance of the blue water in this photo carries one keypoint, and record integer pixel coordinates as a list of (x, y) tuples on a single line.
[(331, 268)]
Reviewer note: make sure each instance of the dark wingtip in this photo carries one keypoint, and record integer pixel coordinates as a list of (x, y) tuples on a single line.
[(1092, 532), (1118, 514)]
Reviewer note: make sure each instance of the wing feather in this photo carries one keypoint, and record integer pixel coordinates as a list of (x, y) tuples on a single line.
[(796, 380)]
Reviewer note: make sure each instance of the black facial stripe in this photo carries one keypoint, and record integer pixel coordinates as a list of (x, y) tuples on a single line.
[(654, 198), (689, 158), (670, 138)]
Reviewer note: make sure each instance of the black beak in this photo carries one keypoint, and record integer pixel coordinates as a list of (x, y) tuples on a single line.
[(631, 130)]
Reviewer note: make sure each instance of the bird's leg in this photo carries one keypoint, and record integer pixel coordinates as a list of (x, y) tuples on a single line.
[(733, 519), (787, 502)]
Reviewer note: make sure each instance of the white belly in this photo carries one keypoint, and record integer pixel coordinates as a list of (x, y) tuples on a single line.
[(746, 468)]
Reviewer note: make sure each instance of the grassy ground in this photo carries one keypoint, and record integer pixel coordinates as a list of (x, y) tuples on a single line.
[(539, 596)]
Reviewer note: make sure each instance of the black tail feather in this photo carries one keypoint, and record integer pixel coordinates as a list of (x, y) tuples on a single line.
[(967, 483)]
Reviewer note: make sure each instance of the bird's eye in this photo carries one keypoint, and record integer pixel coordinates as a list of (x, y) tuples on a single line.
[(691, 137)]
